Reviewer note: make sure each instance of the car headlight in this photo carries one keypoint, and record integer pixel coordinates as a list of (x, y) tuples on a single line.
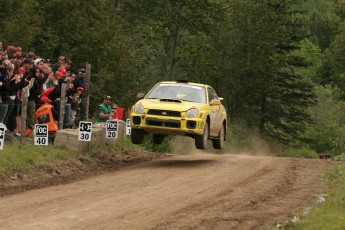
[(139, 108), (192, 113)]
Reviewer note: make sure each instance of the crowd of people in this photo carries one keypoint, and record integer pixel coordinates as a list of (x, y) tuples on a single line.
[(19, 69)]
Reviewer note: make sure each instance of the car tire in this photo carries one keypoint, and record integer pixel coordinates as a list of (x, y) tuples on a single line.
[(158, 138), (201, 140), (219, 142), (137, 136)]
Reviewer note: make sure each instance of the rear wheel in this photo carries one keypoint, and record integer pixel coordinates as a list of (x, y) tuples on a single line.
[(137, 136), (219, 142), (158, 139), (201, 141)]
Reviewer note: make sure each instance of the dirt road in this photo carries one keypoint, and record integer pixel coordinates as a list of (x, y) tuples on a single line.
[(177, 192)]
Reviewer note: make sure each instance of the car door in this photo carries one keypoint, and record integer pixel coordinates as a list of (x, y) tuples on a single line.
[(215, 111)]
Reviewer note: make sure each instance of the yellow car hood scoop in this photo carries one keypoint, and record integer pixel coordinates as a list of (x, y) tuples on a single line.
[(171, 100)]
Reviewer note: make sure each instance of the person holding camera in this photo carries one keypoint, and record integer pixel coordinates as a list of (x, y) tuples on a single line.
[(104, 111)]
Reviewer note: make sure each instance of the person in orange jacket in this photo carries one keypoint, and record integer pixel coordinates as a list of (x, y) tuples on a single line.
[(46, 114)]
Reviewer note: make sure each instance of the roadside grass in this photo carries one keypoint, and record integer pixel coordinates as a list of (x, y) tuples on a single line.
[(107, 149), (21, 158), (16, 156), (329, 214)]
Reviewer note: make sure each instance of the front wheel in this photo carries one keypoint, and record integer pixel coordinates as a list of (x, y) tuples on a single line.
[(201, 141), (219, 142), (137, 136)]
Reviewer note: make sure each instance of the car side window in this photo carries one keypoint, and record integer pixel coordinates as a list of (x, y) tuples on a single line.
[(211, 94)]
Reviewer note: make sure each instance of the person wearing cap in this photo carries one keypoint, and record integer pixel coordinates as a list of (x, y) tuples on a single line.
[(68, 80), (47, 60), (19, 53), (104, 111), (9, 47), (79, 81), (38, 63), (31, 55), (46, 114)]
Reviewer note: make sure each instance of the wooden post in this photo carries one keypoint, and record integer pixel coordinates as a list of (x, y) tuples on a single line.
[(62, 105), (87, 91), (24, 114)]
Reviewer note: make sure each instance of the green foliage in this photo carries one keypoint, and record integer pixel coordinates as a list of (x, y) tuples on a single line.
[(309, 57), (327, 133), (340, 157), (17, 157), (298, 153)]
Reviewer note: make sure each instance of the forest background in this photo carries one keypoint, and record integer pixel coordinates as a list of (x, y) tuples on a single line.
[(279, 65)]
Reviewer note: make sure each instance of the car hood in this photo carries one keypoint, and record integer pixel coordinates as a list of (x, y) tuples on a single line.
[(169, 104)]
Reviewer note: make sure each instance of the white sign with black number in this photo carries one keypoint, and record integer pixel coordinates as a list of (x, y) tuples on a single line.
[(85, 131), (112, 130), (2, 138), (41, 134), (128, 126)]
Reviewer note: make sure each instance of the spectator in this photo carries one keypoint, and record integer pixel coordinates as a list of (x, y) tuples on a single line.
[(68, 65), (60, 63), (114, 108), (3, 89), (49, 82), (32, 56), (12, 84), (75, 101), (15, 87), (33, 96), (80, 109), (104, 112), (46, 114), (48, 62), (29, 70), (79, 81), (19, 53)]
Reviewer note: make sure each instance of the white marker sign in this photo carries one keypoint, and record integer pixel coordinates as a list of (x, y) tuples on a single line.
[(112, 129), (85, 131), (2, 138), (128, 126), (41, 134)]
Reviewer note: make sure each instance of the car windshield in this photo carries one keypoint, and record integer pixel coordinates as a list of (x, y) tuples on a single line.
[(184, 92)]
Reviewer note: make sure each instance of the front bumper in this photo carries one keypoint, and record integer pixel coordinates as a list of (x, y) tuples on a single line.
[(167, 125)]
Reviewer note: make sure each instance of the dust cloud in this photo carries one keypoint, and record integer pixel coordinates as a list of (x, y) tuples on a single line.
[(182, 145), (253, 145)]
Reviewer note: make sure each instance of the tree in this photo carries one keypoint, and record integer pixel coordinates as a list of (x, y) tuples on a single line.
[(266, 90)]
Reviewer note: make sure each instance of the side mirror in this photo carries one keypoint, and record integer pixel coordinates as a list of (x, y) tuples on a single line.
[(215, 102), (140, 95)]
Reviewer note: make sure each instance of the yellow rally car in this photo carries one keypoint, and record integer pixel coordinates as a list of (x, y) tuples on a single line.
[(180, 108)]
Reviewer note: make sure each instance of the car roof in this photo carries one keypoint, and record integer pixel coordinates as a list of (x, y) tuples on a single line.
[(183, 82)]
